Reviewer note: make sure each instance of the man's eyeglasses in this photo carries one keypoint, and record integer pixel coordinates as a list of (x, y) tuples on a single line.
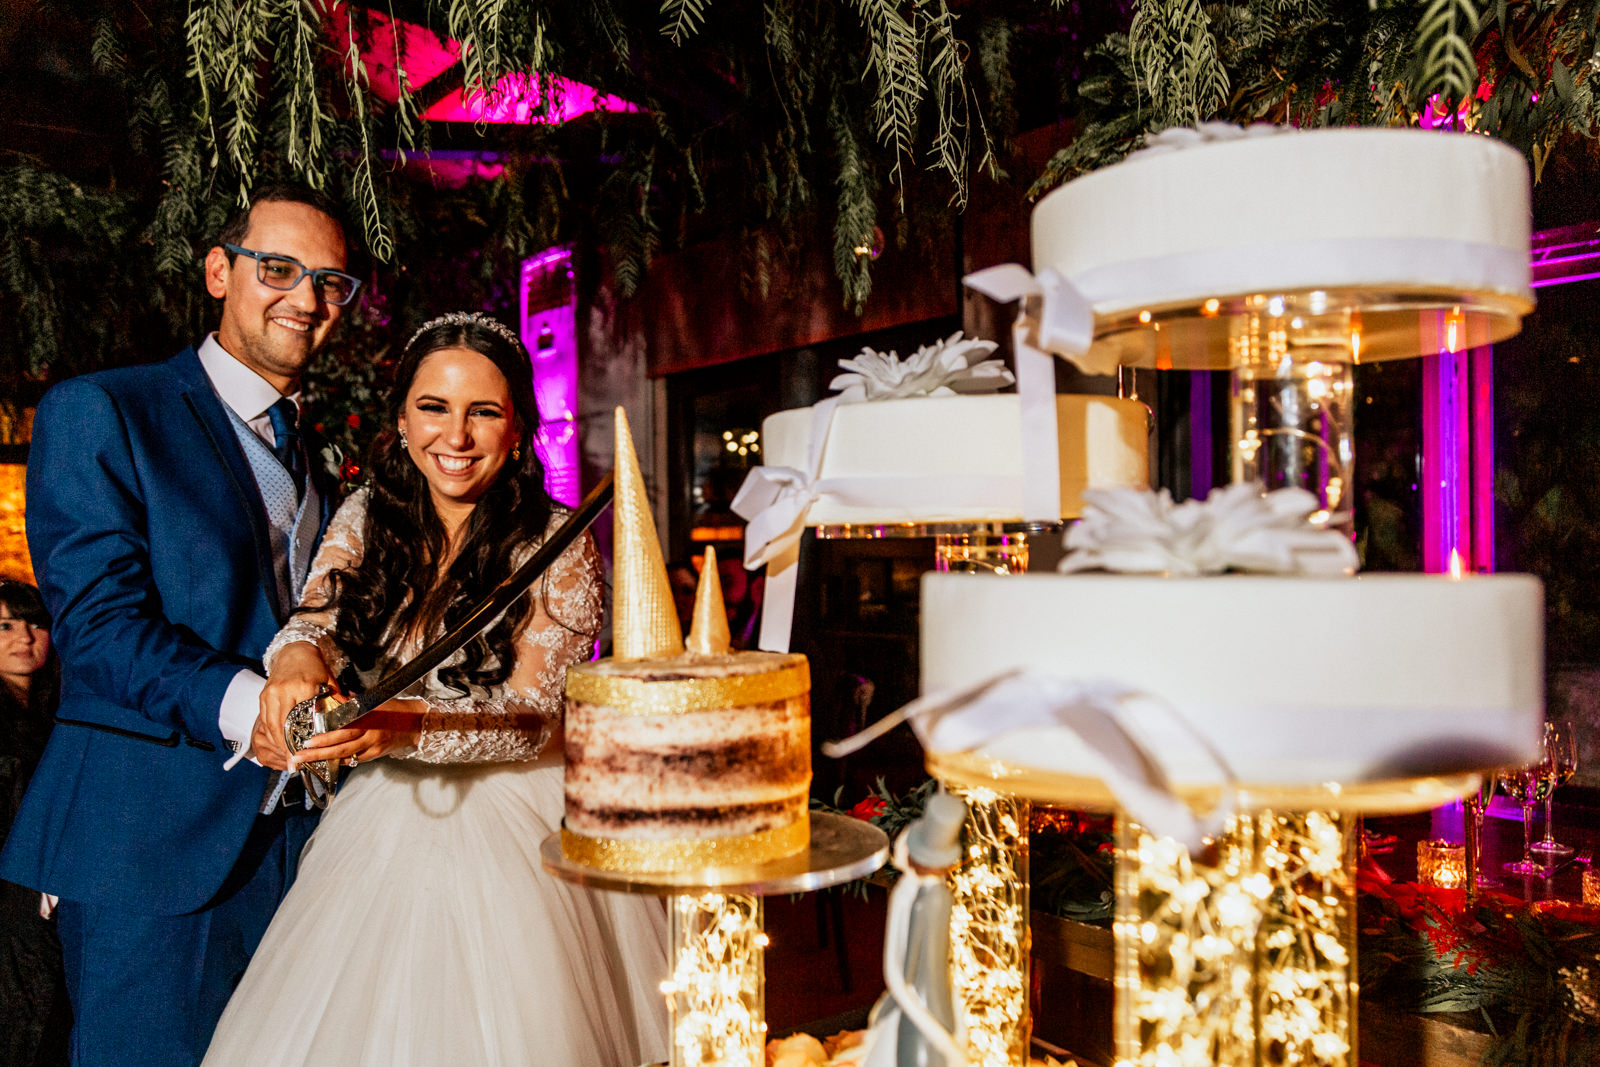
[(285, 272)]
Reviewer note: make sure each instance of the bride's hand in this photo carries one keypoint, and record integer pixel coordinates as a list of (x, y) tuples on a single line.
[(354, 743), (298, 671), (389, 727)]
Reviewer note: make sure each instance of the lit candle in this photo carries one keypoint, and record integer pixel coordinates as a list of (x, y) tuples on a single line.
[(1442, 864), (1591, 886)]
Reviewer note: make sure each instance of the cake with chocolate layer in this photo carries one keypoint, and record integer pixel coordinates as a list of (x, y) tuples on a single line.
[(700, 748), (681, 759)]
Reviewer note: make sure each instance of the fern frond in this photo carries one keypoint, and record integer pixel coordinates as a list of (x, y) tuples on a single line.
[(682, 18)]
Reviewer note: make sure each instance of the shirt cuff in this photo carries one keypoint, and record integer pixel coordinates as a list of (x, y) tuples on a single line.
[(241, 706)]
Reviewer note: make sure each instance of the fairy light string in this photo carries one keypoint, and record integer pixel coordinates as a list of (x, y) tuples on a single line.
[(1242, 954), (716, 989)]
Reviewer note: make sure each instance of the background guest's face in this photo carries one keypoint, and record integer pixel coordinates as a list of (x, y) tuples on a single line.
[(459, 423), (275, 332), (24, 649)]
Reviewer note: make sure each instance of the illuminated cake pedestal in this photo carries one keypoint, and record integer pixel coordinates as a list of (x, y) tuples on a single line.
[(716, 990), (990, 936), (1244, 953)]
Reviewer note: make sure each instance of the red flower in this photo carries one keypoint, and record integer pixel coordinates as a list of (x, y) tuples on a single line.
[(354, 421), (869, 809), (319, 427), (349, 470)]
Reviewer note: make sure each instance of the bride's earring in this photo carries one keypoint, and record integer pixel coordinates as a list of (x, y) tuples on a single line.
[(403, 442)]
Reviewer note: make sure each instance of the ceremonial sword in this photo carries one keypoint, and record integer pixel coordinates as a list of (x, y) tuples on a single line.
[(320, 714)]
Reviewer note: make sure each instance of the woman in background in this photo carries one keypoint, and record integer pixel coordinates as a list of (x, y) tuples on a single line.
[(35, 1018)]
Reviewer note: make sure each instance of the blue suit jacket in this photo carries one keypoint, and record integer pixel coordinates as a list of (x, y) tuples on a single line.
[(150, 542)]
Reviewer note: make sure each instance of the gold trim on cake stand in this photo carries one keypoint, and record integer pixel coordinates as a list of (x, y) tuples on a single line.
[(1389, 797), (716, 990)]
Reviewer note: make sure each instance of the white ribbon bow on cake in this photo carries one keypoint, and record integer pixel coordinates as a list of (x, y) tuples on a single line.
[(775, 500)]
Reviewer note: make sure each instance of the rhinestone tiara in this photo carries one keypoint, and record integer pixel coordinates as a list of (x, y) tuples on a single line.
[(468, 318)]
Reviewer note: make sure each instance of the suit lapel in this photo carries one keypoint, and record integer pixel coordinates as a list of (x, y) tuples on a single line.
[(208, 411)]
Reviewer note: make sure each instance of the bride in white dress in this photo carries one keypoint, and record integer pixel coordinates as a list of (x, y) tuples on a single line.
[(421, 929)]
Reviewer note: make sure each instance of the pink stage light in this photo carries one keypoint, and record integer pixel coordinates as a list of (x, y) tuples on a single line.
[(390, 45), (525, 99)]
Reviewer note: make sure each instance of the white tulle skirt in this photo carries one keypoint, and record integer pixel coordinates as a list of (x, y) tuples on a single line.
[(422, 931)]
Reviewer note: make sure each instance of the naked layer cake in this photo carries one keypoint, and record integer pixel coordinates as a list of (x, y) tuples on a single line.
[(680, 758), (694, 748)]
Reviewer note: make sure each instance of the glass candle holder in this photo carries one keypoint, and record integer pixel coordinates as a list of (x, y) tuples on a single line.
[(1591, 886), (1442, 864)]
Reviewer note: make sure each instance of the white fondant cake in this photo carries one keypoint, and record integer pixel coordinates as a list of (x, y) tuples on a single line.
[(1412, 219), (935, 441), (1293, 681)]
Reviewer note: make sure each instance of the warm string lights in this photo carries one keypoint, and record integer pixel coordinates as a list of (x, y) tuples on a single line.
[(989, 938), (715, 992), (1243, 954)]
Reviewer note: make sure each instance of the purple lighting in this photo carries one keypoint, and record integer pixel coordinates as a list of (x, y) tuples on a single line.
[(392, 49), (550, 330), (525, 99)]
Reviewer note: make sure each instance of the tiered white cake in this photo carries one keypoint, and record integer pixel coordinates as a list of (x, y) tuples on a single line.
[(1291, 680), (1102, 442), (1208, 219)]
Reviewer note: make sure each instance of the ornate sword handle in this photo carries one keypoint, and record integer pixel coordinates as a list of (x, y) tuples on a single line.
[(304, 721)]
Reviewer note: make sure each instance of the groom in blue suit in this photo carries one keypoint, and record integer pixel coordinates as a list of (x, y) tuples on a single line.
[(172, 512)]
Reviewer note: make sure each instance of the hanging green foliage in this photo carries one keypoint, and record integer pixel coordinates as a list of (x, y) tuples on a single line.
[(1520, 70), (896, 62)]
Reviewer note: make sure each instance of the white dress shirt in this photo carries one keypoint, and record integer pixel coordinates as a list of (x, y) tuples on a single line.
[(249, 396)]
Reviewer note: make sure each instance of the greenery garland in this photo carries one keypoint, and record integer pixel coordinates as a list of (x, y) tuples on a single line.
[(759, 120), (1530, 973), (1520, 70)]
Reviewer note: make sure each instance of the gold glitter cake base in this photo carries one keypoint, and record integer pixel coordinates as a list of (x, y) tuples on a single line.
[(611, 854)]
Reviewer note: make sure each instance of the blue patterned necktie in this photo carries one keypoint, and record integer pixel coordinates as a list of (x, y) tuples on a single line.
[(286, 430)]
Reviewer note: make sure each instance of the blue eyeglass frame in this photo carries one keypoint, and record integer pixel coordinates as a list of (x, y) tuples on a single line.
[(316, 275)]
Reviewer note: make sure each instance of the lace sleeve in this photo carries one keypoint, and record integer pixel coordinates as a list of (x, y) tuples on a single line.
[(341, 548), (516, 720)]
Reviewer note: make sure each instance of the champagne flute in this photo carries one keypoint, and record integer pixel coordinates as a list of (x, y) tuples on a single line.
[(1561, 761), (1524, 784), (1477, 806)]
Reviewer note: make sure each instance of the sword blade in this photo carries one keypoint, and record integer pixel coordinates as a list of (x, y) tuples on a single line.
[(480, 617)]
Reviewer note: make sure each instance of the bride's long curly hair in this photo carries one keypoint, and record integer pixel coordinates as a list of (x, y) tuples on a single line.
[(396, 588)]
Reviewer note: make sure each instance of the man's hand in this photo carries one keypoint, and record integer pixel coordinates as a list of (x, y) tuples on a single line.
[(297, 673)]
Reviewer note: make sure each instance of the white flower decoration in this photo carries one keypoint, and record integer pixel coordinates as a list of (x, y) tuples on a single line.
[(1177, 138), (955, 365), (1237, 528)]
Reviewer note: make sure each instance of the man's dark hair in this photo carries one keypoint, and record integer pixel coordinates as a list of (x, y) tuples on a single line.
[(238, 223)]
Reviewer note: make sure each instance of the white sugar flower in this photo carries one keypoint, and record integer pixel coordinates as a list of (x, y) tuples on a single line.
[(955, 365), (1236, 528)]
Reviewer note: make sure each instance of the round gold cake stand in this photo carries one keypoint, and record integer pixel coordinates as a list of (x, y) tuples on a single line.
[(1390, 797), (716, 990)]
